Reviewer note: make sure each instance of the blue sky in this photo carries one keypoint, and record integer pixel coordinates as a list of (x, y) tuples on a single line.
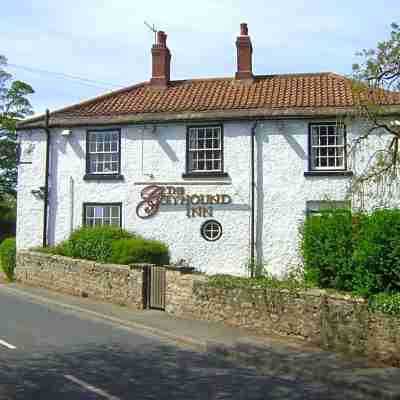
[(106, 40)]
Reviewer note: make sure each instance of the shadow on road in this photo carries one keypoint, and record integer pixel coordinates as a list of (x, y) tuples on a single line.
[(148, 372)]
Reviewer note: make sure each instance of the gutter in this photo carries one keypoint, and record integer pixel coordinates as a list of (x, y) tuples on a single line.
[(46, 184), (252, 196), (200, 116)]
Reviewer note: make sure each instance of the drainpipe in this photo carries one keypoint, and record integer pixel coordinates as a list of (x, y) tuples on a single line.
[(252, 196), (46, 184)]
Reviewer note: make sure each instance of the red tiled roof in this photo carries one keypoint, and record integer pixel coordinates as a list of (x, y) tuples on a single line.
[(278, 92)]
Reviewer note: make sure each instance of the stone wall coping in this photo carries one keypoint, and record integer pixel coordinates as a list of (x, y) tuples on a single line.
[(312, 292), (88, 263), (183, 270)]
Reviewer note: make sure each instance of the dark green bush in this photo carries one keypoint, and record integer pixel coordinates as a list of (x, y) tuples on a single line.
[(327, 248), (139, 250), (377, 253), (7, 257), (93, 243), (110, 244)]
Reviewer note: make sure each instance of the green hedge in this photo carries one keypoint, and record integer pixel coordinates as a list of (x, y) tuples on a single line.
[(93, 243), (376, 255), (111, 244), (139, 250), (358, 253), (7, 257), (327, 249)]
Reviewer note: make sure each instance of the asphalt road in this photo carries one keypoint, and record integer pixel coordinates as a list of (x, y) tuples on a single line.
[(48, 353)]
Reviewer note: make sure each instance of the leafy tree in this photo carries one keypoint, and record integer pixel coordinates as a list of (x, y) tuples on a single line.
[(376, 79), (14, 105)]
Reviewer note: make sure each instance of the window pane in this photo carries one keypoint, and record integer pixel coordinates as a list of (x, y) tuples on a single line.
[(327, 146), (103, 148), (102, 215), (201, 145), (106, 212)]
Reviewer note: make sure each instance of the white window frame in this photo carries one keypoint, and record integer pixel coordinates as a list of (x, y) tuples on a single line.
[(101, 214), (326, 147), (109, 151), (198, 137)]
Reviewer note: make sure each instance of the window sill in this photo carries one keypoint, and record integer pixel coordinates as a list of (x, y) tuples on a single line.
[(328, 173), (201, 175), (103, 177)]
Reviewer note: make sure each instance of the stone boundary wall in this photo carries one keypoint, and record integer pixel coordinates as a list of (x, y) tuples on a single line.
[(335, 322), (113, 283)]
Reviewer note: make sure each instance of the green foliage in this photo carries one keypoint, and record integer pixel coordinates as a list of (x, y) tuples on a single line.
[(377, 253), (139, 250), (62, 249), (358, 253), (326, 248), (8, 208), (14, 105), (95, 243), (388, 303), (7, 257), (110, 244)]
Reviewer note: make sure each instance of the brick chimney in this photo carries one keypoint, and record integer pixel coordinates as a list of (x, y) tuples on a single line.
[(161, 61), (244, 55)]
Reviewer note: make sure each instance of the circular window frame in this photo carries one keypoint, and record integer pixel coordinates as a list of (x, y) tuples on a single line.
[(203, 230)]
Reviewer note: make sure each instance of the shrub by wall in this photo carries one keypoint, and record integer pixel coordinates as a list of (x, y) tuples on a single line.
[(327, 249), (377, 253), (139, 250), (358, 253), (93, 243), (7, 257), (108, 244)]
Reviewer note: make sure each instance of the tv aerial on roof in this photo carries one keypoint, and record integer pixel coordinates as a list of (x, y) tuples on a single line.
[(153, 29)]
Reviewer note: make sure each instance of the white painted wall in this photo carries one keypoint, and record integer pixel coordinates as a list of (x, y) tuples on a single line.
[(281, 148)]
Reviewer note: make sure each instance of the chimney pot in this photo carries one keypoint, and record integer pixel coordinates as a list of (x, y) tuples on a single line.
[(243, 29), (244, 55), (162, 39), (161, 61)]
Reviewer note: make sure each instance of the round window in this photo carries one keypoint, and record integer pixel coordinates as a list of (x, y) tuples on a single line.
[(211, 230)]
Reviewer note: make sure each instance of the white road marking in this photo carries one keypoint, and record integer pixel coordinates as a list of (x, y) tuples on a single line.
[(8, 345), (92, 388)]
